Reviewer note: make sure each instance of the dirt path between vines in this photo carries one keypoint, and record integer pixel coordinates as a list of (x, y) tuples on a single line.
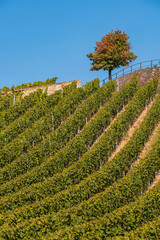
[(131, 131), (157, 178), (149, 143), (106, 129)]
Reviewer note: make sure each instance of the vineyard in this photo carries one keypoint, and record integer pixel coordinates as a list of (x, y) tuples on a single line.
[(81, 163)]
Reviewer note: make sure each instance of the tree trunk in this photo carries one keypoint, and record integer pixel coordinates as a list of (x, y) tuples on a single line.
[(110, 76)]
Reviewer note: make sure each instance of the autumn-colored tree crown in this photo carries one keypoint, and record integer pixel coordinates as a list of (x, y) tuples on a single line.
[(112, 52)]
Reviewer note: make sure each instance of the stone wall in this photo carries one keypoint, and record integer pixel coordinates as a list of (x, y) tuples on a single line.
[(144, 76), (51, 87)]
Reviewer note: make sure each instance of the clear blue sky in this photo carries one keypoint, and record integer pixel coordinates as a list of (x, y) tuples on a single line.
[(41, 39)]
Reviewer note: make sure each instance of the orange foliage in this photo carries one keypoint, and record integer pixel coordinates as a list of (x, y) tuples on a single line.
[(112, 51)]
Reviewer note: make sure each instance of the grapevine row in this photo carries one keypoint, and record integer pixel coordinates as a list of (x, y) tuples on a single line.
[(33, 114), (119, 222), (150, 230), (6, 102), (9, 115), (125, 191), (79, 145), (61, 135), (45, 125), (100, 203), (94, 183)]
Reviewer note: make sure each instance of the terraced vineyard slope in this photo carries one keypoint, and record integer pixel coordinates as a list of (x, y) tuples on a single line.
[(82, 163)]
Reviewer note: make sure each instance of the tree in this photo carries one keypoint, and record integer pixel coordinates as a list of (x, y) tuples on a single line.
[(112, 52)]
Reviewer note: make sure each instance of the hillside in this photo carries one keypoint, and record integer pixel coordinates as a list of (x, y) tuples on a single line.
[(82, 163)]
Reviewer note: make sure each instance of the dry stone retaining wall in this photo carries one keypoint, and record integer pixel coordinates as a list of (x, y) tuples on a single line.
[(51, 87), (144, 76)]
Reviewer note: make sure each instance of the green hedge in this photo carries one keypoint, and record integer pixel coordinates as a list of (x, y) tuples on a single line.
[(94, 183), (78, 146), (37, 132), (9, 115), (33, 114), (126, 190)]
